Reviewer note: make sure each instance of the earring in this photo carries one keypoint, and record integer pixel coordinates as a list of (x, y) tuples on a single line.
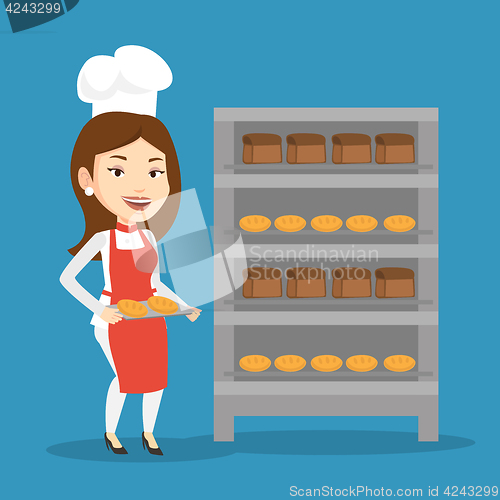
[(89, 191)]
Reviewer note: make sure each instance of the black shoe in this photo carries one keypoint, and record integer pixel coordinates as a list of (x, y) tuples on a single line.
[(153, 451), (109, 444)]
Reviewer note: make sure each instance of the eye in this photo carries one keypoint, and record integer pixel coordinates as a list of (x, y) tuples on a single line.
[(156, 173), (116, 172)]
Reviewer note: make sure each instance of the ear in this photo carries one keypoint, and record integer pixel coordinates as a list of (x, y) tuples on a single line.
[(84, 178)]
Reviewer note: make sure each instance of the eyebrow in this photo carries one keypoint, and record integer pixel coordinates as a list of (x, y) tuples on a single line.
[(119, 157), (155, 159)]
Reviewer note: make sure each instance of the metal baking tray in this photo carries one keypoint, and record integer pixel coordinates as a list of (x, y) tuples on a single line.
[(153, 314)]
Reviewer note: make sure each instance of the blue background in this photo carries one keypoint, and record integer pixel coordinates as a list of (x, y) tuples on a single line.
[(242, 54)]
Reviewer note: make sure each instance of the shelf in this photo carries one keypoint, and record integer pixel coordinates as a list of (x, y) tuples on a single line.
[(327, 302), (368, 181), (327, 168), (309, 326), (326, 114), (339, 232), (310, 318), (326, 376), (325, 252), (326, 388), (320, 304)]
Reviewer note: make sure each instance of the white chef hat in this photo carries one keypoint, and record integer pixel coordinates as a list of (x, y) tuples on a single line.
[(129, 81)]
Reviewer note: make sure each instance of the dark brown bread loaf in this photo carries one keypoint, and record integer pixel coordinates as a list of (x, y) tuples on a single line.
[(261, 148), (394, 282), (395, 148), (306, 148), (262, 282), (351, 148), (305, 282), (351, 282)]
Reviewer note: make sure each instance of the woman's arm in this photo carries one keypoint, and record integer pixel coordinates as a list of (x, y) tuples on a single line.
[(79, 261), (161, 288)]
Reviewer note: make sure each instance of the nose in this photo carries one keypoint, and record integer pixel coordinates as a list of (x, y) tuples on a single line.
[(140, 190)]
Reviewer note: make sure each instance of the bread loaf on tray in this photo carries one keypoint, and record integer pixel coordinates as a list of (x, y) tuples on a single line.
[(261, 148), (351, 282), (394, 282), (306, 148), (262, 282), (395, 148), (305, 282), (352, 148)]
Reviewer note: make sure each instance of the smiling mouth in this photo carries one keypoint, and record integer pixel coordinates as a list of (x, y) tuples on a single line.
[(136, 202)]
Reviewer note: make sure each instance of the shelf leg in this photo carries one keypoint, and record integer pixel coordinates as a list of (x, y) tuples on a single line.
[(428, 422), (223, 426)]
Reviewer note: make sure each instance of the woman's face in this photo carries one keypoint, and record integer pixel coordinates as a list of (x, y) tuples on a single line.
[(131, 182)]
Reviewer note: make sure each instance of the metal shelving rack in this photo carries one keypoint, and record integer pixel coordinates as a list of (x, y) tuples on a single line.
[(308, 326)]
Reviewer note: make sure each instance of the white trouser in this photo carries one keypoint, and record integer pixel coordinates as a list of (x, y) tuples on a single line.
[(115, 399)]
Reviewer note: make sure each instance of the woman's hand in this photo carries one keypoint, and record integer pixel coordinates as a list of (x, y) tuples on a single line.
[(111, 316), (194, 315)]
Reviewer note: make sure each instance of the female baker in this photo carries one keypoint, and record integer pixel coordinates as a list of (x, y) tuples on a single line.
[(123, 169)]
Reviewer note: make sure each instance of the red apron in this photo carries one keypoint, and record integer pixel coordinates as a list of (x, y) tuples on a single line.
[(139, 346)]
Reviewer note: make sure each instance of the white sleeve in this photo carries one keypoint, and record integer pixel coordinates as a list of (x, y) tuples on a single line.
[(77, 263), (162, 289)]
